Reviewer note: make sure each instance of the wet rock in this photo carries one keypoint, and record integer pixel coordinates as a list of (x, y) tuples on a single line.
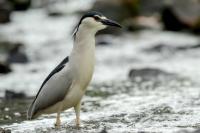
[(7, 117), (4, 68), (171, 21), (13, 111), (2, 130), (197, 131), (148, 74), (98, 93), (102, 40), (161, 48), (17, 114), (55, 14), (104, 131), (5, 45), (143, 22), (21, 5), (179, 15), (14, 95), (186, 131), (153, 78), (141, 14), (169, 49), (188, 47), (5, 11), (162, 109), (17, 54), (14, 51), (149, 7), (54, 10)]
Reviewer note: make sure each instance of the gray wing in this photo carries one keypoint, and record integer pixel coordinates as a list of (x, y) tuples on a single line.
[(52, 90)]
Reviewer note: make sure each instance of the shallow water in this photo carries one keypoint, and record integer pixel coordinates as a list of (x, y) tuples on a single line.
[(164, 102), (127, 107)]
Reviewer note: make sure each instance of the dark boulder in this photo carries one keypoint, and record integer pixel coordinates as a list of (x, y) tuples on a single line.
[(150, 7), (170, 49), (147, 73), (55, 14), (176, 15), (102, 40), (5, 11), (5, 45), (155, 78), (189, 131), (104, 130), (17, 54), (155, 75), (160, 48), (14, 95), (14, 51), (143, 22), (171, 20), (188, 47), (3, 130), (179, 15), (4, 68), (21, 5)]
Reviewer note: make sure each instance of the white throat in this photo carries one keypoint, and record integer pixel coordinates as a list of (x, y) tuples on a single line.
[(84, 42), (82, 57)]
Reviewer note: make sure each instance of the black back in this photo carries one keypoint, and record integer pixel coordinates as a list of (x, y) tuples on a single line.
[(57, 69)]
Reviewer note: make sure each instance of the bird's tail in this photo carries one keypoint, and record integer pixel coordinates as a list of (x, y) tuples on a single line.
[(30, 112)]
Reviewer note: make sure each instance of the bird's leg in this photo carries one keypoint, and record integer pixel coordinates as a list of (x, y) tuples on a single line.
[(77, 111), (58, 122)]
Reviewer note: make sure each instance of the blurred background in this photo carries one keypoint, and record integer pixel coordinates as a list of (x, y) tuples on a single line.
[(146, 76)]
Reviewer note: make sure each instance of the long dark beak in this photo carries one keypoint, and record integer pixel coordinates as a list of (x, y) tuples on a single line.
[(110, 23)]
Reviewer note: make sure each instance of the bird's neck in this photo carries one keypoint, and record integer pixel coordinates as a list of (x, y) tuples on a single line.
[(84, 41), (82, 57)]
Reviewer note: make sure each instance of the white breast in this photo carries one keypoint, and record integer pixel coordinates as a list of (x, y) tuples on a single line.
[(82, 58), (81, 64)]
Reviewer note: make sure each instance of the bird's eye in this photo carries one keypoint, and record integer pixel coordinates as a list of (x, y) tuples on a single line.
[(96, 18)]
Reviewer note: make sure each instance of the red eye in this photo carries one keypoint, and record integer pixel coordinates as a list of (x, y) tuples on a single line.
[(96, 18)]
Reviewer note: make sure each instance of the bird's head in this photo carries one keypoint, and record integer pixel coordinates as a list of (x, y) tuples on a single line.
[(95, 21)]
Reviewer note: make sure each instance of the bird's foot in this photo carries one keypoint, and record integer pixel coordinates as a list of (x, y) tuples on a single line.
[(78, 126), (78, 123), (57, 124)]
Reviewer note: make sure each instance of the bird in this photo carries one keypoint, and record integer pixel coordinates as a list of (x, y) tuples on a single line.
[(65, 86)]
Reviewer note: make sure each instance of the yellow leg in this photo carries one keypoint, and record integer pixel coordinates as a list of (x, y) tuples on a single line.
[(58, 122), (77, 111)]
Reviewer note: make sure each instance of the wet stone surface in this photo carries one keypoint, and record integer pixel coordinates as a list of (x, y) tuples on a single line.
[(13, 110), (117, 106)]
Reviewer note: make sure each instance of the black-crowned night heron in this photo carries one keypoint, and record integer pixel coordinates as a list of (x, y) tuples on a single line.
[(66, 84)]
